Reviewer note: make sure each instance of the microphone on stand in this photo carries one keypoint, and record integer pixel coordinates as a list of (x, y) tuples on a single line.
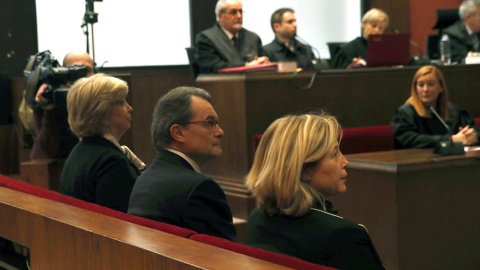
[(419, 60), (448, 147), (318, 63)]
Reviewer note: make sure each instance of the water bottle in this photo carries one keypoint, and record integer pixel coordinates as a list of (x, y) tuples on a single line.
[(446, 56)]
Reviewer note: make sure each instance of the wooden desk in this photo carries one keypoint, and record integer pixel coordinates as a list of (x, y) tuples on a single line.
[(247, 103), (420, 214)]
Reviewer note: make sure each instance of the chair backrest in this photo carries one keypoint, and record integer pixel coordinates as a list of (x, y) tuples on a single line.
[(445, 18), (332, 47), (477, 121), (367, 139), (192, 63), (432, 46)]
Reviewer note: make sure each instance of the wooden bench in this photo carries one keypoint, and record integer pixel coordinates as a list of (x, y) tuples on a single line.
[(65, 233)]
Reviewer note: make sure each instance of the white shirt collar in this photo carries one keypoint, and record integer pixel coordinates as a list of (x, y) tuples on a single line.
[(229, 35), (189, 160), (469, 31)]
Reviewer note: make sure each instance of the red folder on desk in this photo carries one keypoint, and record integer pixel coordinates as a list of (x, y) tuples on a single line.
[(254, 68)]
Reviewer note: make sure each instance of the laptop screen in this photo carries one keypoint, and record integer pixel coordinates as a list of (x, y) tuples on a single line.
[(388, 50)]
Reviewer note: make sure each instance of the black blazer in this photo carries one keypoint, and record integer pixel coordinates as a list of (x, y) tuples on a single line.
[(170, 191), (460, 41), (97, 171), (277, 51), (318, 237), (410, 130), (346, 52), (214, 51)]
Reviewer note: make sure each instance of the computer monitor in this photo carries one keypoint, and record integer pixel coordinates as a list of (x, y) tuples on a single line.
[(388, 50)]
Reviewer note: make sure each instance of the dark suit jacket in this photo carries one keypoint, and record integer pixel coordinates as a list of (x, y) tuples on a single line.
[(170, 191), (214, 51), (318, 237), (460, 41), (346, 52), (278, 51), (410, 130), (97, 171)]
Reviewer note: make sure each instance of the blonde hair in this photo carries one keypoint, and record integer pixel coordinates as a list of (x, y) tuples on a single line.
[(287, 147), (89, 103), (375, 15), (442, 103)]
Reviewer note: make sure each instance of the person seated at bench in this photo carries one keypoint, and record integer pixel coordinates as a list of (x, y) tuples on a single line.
[(99, 170), (173, 190), (415, 126), (297, 164)]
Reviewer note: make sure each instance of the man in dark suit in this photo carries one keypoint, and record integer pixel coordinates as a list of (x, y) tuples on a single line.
[(172, 189), (464, 34), (285, 47), (227, 44)]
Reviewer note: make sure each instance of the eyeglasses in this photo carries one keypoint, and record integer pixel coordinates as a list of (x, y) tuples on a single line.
[(210, 123), (234, 12)]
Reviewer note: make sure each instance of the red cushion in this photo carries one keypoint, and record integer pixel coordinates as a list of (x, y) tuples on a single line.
[(477, 121), (367, 139), (55, 196), (258, 253), (359, 140)]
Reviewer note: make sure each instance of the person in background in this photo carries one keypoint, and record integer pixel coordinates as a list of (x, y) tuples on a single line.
[(415, 126), (354, 53), (227, 44), (99, 170), (297, 165), (173, 190), (53, 138), (464, 35), (285, 47)]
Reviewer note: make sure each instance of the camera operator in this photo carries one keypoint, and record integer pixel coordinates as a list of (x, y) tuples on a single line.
[(53, 136)]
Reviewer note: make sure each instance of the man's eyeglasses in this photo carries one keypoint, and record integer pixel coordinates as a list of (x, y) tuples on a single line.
[(234, 12), (210, 123)]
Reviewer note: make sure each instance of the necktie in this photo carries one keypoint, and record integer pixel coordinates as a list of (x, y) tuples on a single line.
[(476, 42), (236, 43)]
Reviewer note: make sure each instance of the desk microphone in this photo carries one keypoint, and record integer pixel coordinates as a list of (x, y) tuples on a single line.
[(449, 147), (422, 60), (318, 63)]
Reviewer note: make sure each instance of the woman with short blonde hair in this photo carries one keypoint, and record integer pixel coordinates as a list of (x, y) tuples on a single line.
[(100, 170), (90, 103), (354, 53), (297, 164)]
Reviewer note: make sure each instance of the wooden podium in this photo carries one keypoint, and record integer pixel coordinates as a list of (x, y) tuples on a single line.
[(419, 208)]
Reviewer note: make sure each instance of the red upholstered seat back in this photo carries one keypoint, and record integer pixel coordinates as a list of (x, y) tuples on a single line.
[(359, 140), (258, 253), (367, 139), (477, 121), (55, 196)]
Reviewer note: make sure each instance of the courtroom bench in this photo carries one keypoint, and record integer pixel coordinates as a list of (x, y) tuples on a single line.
[(359, 140), (77, 208)]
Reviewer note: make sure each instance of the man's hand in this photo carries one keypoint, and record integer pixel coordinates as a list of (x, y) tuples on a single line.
[(258, 61), (40, 98)]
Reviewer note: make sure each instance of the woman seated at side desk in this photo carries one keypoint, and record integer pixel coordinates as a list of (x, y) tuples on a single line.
[(415, 126), (99, 170), (297, 164), (354, 53)]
